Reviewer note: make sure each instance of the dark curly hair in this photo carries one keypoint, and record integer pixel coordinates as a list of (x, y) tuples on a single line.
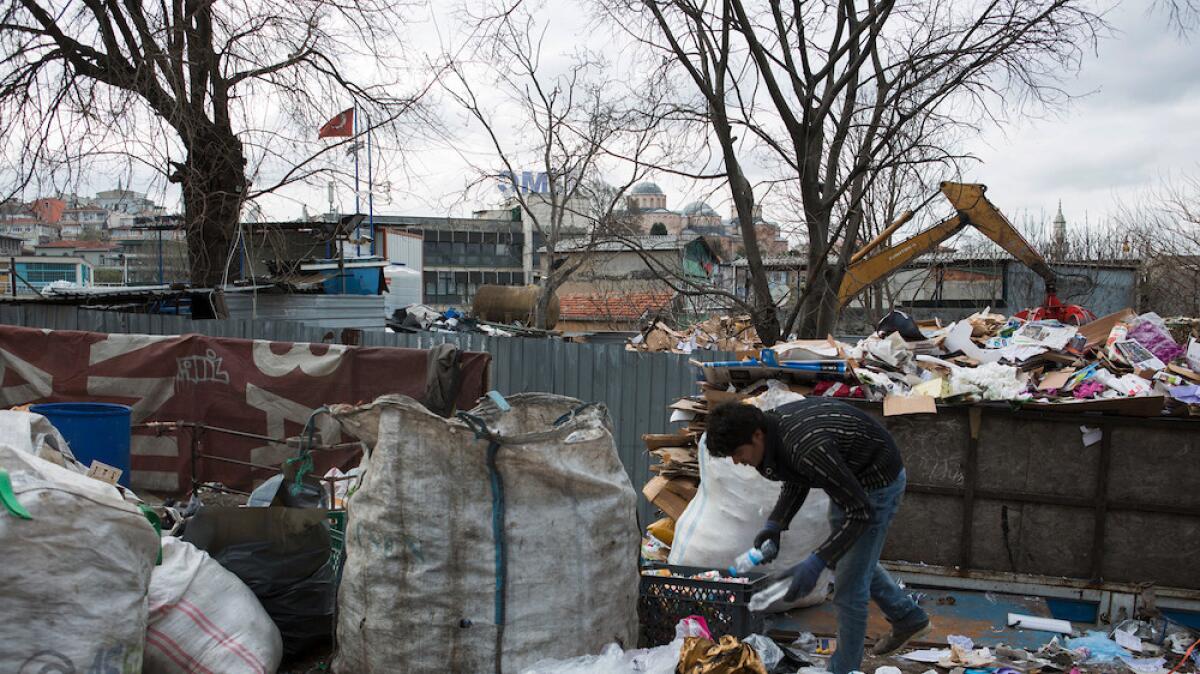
[(732, 425)]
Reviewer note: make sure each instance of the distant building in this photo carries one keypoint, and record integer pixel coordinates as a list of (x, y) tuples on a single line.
[(968, 281), (126, 201), (96, 253), (461, 254), (599, 312), (646, 204), (75, 221), (784, 276), (48, 210), (30, 230), (39, 272), (684, 257), (154, 250), (10, 246)]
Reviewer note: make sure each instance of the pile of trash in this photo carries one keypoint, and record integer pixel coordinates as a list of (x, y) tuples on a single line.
[(720, 333), (1124, 363), (695, 650), (420, 318)]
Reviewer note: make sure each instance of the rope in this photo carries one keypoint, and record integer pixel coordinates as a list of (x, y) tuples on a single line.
[(572, 414), (479, 427), (304, 458)]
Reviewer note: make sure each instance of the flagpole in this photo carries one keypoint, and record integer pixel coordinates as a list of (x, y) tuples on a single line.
[(370, 190), (357, 205)]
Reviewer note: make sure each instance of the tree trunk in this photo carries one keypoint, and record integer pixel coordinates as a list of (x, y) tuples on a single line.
[(541, 308), (820, 310), (213, 183)]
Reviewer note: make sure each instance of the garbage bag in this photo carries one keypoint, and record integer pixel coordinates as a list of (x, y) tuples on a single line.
[(898, 321), (203, 618), (659, 660), (419, 587), (301, 603), (730, 508), (283, 555), (75, 574)]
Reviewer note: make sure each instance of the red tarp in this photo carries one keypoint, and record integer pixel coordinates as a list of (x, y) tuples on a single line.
[(255, 386)]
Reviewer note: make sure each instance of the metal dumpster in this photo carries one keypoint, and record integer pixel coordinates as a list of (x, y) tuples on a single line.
[(1013, 499)]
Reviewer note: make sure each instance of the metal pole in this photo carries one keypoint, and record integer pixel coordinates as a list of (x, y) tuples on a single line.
[(370, 190), (357, 203), (12, 275), (160, 258)]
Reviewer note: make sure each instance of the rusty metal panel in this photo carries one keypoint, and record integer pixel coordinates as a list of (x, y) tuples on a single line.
[(1126, 509)]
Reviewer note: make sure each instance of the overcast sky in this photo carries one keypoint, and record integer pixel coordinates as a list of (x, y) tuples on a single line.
[(1135, 122)]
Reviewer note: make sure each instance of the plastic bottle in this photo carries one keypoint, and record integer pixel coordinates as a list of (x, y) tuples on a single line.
[(752, 558)]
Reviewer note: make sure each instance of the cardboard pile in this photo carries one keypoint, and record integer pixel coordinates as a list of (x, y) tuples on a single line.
[(720, 333)]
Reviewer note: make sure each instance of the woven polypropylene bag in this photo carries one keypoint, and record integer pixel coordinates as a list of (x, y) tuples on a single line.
[(418, 591)]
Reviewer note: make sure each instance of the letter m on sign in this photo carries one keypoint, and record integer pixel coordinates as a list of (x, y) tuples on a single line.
[(536, 183)]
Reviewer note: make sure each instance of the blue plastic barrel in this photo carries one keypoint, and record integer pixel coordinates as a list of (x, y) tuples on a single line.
[(98, 431)]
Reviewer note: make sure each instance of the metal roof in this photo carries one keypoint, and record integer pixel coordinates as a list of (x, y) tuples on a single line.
[(645, 242)]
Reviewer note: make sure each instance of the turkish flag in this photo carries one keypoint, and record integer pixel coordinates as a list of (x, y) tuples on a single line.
[(342, 124)]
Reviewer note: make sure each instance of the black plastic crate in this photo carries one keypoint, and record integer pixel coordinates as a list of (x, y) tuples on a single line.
[(725, 606)]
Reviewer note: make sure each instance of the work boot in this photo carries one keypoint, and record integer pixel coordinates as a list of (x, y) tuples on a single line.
[(898, 637)]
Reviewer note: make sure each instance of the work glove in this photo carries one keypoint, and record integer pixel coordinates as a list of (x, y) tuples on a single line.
[(804, 577), (770, 532)]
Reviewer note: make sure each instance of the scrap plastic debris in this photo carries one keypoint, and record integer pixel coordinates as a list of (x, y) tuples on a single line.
[(712, 575), (1096, 647), (964, 657), (962, 642), (770, 653), (928, 655), (692, 626), (764, 598)]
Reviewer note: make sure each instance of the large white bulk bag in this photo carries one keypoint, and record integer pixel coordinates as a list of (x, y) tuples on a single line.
[(204, 618), (418, 591), (732, 505), (75, 575), (34, 434)]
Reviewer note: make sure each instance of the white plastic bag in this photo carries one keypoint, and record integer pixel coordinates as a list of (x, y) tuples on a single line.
[(75, 575), (730, 508), (204, 618), (659, 660)]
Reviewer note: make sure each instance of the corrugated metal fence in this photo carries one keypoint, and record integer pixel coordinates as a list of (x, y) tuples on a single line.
[(636, 387)]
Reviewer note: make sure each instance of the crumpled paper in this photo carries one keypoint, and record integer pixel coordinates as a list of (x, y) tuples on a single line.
[(991, 380)]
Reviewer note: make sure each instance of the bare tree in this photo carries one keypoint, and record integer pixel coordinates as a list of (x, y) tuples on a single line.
[(1183, 15), (213, 96), (1161, 228), (831, 93), (563, 123)]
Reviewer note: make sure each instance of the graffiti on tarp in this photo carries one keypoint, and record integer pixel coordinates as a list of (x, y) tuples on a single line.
[(199, 369), (254, 386)]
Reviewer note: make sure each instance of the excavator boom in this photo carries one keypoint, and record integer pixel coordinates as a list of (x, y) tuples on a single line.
[(972, 208)]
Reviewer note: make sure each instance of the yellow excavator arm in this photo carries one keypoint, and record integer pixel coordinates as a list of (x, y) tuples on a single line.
[(973, 208)]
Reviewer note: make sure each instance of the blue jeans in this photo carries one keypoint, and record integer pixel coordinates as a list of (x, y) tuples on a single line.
[(858, 576)]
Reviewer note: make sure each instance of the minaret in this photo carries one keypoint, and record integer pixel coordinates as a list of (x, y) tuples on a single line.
[(1060, 232)]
